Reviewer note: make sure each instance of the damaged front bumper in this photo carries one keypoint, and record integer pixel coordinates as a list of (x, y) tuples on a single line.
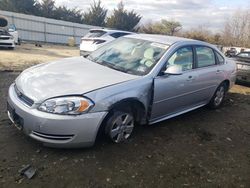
[(51, 129)]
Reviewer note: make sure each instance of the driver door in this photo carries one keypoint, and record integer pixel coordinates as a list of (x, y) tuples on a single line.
[(174, 93)]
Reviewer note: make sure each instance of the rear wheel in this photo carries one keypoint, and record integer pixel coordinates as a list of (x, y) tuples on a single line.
[(219, 96), (120, 125)]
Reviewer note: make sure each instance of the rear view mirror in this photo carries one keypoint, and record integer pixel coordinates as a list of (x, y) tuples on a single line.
[(174, 70)]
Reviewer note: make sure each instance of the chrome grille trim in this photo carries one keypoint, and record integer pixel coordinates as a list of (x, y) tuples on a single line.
[(51, 136)]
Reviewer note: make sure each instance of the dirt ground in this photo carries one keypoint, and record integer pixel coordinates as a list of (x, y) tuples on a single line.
[(204, 148), (28, 54)]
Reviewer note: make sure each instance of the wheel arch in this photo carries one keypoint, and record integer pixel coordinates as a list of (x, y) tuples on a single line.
[(137, 107), (227, 83)]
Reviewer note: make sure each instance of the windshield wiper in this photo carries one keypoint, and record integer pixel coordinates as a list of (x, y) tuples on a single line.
[(120, 69), (109, 65)]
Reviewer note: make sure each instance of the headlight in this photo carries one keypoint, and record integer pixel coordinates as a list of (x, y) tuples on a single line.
[(66, 105)]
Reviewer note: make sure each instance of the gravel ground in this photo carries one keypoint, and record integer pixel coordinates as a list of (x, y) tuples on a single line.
[(204, 148)]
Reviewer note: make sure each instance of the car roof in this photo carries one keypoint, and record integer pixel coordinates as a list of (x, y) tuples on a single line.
[(164, 39), (109, 30)]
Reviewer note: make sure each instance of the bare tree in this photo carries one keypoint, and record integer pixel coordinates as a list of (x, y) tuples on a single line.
[(237, 29), (164, 27)]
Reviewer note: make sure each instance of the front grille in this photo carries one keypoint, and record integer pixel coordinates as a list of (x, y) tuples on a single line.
[(5, 44), (4, 38), (23, 98), (52, 136)]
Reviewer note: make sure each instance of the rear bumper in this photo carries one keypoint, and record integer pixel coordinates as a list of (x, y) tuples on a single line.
[(87, 47), (56, 130)]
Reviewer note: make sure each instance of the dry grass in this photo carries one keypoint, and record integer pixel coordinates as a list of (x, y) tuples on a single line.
[(27, 55), (240, 89)]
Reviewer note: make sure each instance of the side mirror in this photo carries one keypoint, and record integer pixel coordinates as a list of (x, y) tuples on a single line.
[(174, 70)]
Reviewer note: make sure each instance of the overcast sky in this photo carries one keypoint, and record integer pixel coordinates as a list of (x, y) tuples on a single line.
[(191, 13)]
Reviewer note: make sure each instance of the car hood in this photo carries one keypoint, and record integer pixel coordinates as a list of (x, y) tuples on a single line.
[(70, 76)]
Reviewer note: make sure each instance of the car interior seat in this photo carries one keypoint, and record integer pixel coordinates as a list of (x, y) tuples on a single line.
[(148, 57)]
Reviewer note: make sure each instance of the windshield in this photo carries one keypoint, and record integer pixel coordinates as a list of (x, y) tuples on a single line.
[(129, 55)]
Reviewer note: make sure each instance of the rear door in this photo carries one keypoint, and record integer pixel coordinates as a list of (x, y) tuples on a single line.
[(209, 73)]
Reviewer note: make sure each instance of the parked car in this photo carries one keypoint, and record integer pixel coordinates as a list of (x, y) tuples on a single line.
[(96, 38), (6, 39), (243, 66), (231, 52), (136, 79)]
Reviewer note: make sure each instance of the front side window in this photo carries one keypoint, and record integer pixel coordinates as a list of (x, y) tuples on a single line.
[(133, 56), (205, 56), (182, 57)]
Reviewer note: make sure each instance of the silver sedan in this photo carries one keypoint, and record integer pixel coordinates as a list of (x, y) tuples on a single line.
[(137, 79)]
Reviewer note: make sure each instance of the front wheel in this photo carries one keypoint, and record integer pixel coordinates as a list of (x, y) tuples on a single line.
[(120, 126), (218, 97)]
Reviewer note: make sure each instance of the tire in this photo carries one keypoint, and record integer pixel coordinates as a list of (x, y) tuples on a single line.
[(120, 125), (19, 42), (218, 96)]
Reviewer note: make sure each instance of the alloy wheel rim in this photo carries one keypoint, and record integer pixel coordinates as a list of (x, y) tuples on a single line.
[(219, 96), (122, 127)]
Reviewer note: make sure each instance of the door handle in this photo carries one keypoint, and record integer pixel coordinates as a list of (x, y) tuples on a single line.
[(190, 78), (218, 71)]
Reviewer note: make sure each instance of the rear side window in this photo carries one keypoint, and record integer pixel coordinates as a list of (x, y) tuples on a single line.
[(220, 58), (118, 34), (205, 56), (95, 33)]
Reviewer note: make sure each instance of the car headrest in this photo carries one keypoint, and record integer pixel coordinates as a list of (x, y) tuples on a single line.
[(149, 53)]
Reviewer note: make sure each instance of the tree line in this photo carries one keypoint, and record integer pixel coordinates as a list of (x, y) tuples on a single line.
[(236, 30), (95, 15)]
